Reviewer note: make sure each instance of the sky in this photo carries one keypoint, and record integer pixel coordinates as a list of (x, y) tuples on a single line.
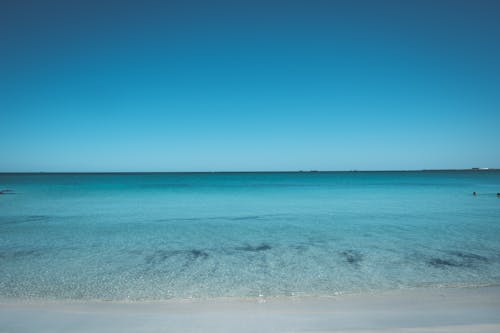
[(248, 85)]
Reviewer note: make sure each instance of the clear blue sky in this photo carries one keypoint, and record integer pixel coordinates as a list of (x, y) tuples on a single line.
[(248, 85)]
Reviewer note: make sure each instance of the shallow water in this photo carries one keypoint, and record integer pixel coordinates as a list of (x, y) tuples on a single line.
[(161, 236)]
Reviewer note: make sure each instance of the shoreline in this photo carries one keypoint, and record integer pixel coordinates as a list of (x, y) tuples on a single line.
[(427, 289), (474, 309)]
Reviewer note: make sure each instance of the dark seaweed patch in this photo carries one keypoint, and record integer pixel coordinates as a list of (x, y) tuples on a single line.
[(16, 254), (352, 256), (468, 256), (160, 256), (243, 218), (438, 262), (258, 248), (458, 259), (33, 218), (199, 254)]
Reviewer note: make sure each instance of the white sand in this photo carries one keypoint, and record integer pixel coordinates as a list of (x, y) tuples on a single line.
[(411, 311)]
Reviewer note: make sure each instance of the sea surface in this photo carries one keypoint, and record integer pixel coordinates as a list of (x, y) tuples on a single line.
[(160, 236)]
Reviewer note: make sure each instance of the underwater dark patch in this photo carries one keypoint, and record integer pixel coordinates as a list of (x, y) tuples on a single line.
[(468, 256), (352, 256), (33, 218), (438, 262), (258, 248), (243, 218), (458, 259), (17, 254), (161, 256), (199, 254), (158, 256)]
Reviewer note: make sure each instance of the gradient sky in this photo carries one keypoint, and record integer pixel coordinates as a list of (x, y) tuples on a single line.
[(249, 85)]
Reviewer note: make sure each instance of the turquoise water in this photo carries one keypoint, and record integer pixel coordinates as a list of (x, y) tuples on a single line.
[(162, 236)]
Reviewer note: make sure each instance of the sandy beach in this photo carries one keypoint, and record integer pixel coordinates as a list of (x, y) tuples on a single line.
[(417, 310), (249, 166)]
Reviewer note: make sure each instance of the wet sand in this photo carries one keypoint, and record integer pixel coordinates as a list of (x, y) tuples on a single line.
[(416, 310)]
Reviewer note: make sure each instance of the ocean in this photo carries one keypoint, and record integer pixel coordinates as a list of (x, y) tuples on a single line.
[(159, 236)]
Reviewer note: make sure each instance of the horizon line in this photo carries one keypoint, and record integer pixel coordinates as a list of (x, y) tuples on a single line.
[(247, 171)]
